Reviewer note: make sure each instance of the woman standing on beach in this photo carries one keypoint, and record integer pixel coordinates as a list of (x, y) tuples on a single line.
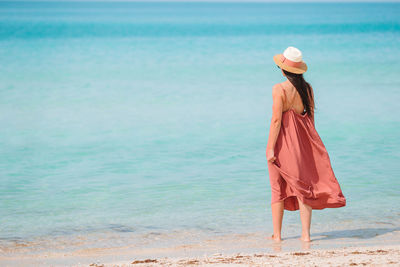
[(300, 171)]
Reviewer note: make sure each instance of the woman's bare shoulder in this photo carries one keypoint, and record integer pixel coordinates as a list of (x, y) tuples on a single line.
[(278, 87)]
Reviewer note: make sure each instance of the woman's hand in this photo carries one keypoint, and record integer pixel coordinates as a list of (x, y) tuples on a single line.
[(270, 155)]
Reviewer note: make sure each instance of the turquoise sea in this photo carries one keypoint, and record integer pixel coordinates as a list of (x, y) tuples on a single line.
[(125, 123)]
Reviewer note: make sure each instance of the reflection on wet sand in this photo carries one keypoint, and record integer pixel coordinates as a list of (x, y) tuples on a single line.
[(181, 244)]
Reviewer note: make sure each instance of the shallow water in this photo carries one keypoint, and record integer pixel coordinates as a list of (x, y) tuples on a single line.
[(136, 119)]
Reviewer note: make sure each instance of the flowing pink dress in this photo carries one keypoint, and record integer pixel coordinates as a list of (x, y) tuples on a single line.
[(302, 167)]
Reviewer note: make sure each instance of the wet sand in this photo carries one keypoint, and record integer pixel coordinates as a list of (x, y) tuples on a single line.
[(348, 256), (251, 249)]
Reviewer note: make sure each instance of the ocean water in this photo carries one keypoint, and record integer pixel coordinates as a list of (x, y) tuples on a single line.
[(132, 122)]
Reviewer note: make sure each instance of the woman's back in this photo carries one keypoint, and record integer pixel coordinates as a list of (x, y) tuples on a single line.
[(292, 98)]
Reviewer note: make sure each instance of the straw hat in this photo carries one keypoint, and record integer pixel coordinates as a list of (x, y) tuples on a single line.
[(291, 60)]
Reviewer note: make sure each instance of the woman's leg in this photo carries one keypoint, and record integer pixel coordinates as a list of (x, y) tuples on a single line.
[(305, 216), (277, 207), (277, 217)]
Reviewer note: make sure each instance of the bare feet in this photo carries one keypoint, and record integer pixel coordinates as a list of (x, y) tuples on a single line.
[(273, 238)]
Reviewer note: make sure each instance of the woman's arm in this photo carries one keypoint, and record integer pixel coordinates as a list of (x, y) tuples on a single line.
[(312, 105), (275, 126)]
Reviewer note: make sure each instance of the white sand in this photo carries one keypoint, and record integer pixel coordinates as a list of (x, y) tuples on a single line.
[(363, 247), (354, 256), (386, 255)]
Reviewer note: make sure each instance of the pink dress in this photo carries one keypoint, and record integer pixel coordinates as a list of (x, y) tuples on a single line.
[(302, 167)]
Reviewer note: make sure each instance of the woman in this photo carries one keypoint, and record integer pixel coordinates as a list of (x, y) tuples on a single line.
[(299, 166)]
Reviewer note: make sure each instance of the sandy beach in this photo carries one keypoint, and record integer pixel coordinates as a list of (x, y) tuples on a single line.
[(251, 249), (354, 256), (347, 256)]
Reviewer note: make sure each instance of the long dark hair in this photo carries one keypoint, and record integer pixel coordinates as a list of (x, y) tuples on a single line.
[(304, 89)]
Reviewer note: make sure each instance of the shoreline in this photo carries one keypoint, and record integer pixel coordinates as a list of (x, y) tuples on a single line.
[(233, 249), (385, 255)]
